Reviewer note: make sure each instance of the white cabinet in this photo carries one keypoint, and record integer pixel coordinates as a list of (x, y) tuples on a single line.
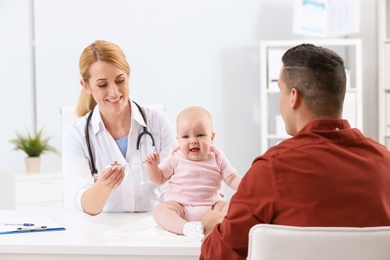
[(272, 125), (31, 191), (384, 71)]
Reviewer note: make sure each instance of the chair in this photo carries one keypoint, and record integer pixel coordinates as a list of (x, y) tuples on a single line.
[(68, 116), (274, 242)]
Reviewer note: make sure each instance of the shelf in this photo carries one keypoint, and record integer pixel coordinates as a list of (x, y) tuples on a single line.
[(383, 72), (270, 62)]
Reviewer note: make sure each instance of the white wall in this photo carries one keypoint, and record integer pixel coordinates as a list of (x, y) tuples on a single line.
[(16, 108), (181, 53)]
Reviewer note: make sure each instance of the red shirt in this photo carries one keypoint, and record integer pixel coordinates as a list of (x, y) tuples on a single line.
[(327, 175)]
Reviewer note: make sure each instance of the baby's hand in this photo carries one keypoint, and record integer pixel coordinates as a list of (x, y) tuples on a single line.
[(152, 159)]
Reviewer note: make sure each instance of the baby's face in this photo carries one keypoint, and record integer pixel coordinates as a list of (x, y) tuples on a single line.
[(195, 136)]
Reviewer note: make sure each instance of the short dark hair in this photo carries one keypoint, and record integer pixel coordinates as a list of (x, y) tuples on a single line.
[(319, 76)]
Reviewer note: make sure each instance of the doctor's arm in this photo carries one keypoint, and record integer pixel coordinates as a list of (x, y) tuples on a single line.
[(95, 198)]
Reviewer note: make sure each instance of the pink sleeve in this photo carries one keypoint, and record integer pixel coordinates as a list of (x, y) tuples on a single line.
[(223, 163)]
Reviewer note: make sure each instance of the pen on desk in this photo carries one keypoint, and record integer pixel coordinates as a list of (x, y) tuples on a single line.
[(17, 224)]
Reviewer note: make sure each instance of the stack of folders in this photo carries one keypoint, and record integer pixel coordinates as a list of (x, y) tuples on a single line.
[(28, 224)]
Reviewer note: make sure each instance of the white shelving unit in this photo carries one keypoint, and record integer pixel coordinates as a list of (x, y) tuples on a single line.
[(384, 71), (270, 62)]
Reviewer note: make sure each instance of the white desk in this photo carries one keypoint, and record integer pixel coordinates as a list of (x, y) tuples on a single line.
[(106, 236)]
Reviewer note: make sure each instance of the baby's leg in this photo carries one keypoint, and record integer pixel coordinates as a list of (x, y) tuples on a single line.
[(170, 216), (221, 206)]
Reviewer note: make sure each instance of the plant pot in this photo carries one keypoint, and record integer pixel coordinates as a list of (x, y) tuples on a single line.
[(33, 164)]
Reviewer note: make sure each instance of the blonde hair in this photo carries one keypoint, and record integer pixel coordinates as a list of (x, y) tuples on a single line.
[(98, 51)]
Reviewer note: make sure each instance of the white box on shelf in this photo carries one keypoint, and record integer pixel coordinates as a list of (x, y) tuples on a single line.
[(274, 65), (349, 108)]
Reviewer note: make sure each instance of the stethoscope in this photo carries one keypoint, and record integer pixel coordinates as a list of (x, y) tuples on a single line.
[(144, 132)]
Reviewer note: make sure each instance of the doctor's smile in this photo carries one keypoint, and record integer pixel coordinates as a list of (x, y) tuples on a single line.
[(114, 100)]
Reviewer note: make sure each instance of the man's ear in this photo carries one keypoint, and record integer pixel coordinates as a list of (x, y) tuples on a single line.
[(85, 86), (296, 98)]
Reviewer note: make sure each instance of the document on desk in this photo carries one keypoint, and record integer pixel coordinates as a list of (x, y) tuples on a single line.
[(25, 224), (147, 231)]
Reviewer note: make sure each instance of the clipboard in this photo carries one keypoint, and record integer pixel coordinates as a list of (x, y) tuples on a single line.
[(27, 224)]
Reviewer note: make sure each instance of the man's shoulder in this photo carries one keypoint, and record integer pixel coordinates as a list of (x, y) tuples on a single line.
[(292, 144)]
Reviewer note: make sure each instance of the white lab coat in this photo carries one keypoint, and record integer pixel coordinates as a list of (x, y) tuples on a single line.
[(132, 195)]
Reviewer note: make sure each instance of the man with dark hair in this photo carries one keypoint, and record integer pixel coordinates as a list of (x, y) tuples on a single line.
[(326, 174)]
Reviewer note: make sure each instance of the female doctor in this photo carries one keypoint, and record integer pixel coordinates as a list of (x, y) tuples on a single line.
[(105, 137)]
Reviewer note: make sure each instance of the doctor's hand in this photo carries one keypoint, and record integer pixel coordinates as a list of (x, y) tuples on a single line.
[(111, 177)]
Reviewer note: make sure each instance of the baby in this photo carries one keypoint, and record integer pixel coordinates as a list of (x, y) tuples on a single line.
[(195, 171)]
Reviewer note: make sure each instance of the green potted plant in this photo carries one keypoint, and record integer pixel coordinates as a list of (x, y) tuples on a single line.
[(34, 146)]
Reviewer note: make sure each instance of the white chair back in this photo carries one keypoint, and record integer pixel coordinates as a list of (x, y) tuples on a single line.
[(277, 242), (68, 116)]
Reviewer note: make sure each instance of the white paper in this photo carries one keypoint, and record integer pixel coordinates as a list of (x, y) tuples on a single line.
[(146, 230), (310, 17), (11, 224), (326, 18)]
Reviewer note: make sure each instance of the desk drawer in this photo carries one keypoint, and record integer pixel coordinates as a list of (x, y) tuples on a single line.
[(53, 205), (43, 190)]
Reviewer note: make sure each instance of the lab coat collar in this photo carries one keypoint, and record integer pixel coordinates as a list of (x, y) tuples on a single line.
[(97, 122)]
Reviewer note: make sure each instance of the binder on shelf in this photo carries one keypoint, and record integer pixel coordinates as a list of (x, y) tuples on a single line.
[(28, 224)]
